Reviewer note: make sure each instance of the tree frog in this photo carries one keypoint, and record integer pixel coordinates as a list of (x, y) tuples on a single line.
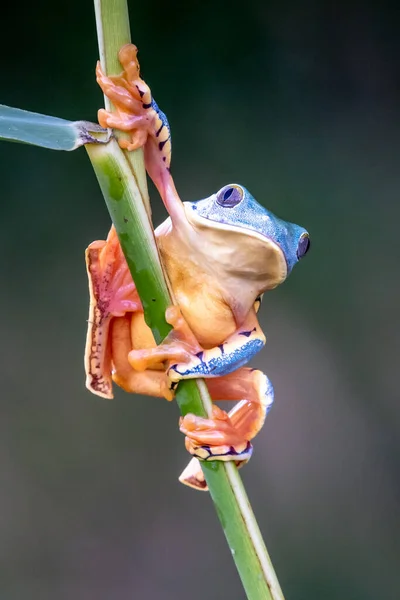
[(220, 254)]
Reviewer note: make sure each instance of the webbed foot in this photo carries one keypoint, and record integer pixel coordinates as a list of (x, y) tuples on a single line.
[(112, 294), (135, 110)]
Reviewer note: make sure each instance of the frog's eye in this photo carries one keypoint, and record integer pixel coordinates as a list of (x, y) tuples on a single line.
[(303, 245), (229, 196)]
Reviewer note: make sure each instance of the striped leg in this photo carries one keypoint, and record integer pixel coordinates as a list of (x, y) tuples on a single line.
[(137, 113)]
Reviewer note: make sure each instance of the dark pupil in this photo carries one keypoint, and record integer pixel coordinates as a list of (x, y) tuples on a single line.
[(304, 245), (228, 193)]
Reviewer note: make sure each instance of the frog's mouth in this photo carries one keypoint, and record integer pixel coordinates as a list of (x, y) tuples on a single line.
[(238, 252)]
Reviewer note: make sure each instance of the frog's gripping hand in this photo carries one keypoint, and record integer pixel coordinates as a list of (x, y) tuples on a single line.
[(218, 361)]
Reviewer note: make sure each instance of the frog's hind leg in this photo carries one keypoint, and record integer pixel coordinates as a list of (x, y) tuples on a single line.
[(117, 329), (112, 294), (136, 110), (225, 436), (152, 382), (138, 114)]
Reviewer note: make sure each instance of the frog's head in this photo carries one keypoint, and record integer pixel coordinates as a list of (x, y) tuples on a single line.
[(246, 239)]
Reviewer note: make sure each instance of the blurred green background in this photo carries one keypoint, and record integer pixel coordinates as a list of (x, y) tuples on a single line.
[(300, 103)]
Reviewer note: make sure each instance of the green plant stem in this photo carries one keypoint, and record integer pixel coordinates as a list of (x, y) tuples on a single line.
[(117, 173)]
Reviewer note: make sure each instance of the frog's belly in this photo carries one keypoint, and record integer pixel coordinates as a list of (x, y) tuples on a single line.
[(208, 317), (197, 293)]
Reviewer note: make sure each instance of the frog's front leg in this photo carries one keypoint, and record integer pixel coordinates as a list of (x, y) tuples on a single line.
[(179, 345), (221, 360)]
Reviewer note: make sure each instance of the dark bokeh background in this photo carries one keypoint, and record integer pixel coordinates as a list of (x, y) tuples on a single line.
[(300, 103)]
